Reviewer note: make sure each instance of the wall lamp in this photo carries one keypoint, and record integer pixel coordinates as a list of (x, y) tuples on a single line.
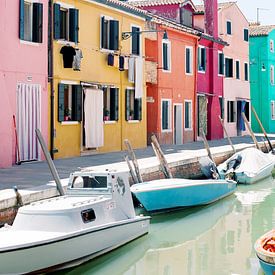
[(126, 35)]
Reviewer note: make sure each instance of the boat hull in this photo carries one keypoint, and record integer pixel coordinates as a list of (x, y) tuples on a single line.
[(72, 249), (269, 269), (188, 195)]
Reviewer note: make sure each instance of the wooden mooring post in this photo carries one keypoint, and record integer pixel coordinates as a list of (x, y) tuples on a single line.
[(132, 172), (250, 131), (206, 145), (162, 160)]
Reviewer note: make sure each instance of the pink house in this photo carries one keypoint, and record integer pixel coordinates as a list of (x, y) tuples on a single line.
[(23, 79)]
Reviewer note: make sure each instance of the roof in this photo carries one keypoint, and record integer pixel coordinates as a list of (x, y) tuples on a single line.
[(256, 30), (200, 8), (149, 3)]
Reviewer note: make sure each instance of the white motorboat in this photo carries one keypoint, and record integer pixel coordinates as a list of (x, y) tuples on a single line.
[(247, 166), (95, 216)]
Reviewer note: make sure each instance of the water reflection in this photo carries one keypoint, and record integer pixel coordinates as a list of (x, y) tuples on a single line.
[(217, 239)]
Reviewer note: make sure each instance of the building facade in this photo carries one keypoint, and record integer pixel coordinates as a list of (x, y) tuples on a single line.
[(262, 85), (23, 79), (98, 72)]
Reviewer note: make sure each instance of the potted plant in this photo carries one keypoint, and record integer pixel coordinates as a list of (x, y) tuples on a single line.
[(106, 115), (131, 115), (67, 114)]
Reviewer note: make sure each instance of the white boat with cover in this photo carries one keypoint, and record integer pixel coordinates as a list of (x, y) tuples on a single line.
[(95, 216), (247, 166)]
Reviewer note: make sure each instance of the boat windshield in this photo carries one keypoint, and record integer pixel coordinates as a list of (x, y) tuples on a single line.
[(89, 182)]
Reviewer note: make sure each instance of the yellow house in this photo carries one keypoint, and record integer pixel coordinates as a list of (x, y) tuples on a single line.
[(98, 86)]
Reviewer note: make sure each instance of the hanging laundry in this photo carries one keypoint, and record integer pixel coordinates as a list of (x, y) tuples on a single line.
[(77, 60), (139, 77), (116, 61), (68, 53), (110, 59), (131, 71), (126, 63), (121, 63)]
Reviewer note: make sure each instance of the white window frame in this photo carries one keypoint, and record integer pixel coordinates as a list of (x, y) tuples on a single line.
[(191, 59), (169, 115), (107, 17), (169, 55), (247, 71), (199, 59), (220, 52), (237, 60), (272, 82), (231, 28), (271, 45), (190, 115), (140, 40), (272, 105)]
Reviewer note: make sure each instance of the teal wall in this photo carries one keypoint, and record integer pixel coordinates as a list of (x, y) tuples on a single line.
[(262, 92)]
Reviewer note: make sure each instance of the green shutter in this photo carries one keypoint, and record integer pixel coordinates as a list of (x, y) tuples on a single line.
[(74, 25), (56, 8), (135, 40), (165, 56), (77, 102), (188, 69), (114, 92), (127, 104), (204, 58), (104, 33), (164, 115), (21, 19), (186, 118), (61, 109), (138, 109), (37, 23), (221, 64), (114, 35)]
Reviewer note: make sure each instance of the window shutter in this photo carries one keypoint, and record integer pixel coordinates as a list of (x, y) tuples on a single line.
[(221, 69), (164, 115), (74, 25), (135, 41), (114, 35), (56, 8), (21, 19), (165, 56), (188, 61), (37, 23), (138, 109), (61, 109), (127, 104), (114, 103), (186, 115), (104, 33), (77, 103), (203, 58)]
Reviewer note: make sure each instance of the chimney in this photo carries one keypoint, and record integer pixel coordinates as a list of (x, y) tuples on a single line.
[(211, 17)]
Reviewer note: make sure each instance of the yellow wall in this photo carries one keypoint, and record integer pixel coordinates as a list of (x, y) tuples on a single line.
[(94, 68)]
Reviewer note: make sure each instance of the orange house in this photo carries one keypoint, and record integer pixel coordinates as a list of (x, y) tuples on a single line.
[(171, 72)]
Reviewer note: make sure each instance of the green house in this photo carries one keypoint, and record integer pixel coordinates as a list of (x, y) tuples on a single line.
[(262, 84)]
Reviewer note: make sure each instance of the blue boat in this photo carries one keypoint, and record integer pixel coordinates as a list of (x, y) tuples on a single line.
[(265, 253), (164, 194)]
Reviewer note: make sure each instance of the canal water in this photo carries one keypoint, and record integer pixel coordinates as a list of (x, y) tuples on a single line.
[(212, 240)]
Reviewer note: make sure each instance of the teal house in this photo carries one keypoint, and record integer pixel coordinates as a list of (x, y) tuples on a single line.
[(262, 85)]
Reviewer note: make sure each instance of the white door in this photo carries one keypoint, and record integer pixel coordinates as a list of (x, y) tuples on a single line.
[(178, 124), (28, 119)]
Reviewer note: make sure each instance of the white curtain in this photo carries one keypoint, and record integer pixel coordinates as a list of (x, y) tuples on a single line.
[(28, 119), (93, 110), (139, 78)]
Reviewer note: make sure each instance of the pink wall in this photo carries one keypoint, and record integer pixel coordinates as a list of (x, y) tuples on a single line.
[(21, 62)]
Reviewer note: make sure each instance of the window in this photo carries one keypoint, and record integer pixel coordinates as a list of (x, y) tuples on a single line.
[(271, 45), (96, 182), (245, 35), (188, 115), (237, 69), (111, 103), (188, 60), (166, 55), (66, 26), (228, 67), (228, 27), (246, 71), (247, 111), (69, 102), (272, 74), (31, 21), (221, 63), (88, 215), (231, 112), (186, 17), (202, 59), (221, 100), (133, 106), (272, 109), (109, 34), (136, 40), (165, 114)]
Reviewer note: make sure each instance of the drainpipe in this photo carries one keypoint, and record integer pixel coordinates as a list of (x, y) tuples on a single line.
[(50, 76)]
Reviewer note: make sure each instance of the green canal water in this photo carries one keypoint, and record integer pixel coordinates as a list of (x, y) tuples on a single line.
[(213, 240)]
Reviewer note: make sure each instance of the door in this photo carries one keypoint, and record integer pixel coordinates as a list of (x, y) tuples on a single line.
[(202, 114), (178, 124), (28, 105)]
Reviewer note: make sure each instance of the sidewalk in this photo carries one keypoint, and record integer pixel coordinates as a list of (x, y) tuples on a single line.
[(33, 174)]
